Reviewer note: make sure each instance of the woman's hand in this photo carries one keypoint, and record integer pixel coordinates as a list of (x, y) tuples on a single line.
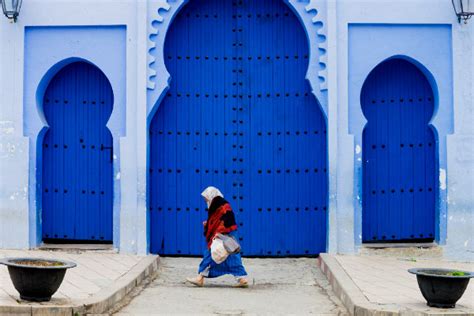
[(204, 223)]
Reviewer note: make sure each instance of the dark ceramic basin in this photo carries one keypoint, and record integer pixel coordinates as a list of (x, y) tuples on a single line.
[(440, 287), (34, 282)]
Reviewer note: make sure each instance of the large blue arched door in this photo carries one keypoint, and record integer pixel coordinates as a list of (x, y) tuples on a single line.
[(239, 115), (399, 154), (77, 188)]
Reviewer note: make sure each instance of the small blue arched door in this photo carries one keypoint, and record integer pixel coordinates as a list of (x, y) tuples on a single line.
[(239, 115), (77, 188), (399, 155)]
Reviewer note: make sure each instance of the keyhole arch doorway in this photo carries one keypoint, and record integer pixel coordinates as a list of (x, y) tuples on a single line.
[(76, 160), (239, 114), (400, 155)]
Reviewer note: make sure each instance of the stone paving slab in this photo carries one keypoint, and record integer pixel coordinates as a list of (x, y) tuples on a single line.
[(381, 285), (100, 279)]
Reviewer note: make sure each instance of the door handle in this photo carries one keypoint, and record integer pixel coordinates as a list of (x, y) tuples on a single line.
[(102, 148)]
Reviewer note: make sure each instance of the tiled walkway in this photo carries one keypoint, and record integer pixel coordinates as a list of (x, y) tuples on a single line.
[(385, 280), (95, 272)]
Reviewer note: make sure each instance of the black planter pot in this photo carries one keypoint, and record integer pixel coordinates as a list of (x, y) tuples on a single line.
[(440, 288), (36, 283)]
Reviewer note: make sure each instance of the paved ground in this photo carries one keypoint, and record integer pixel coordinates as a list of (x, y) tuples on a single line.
[(278, 287), (377, 282), (385, 280), (98, 275), (94, 271)]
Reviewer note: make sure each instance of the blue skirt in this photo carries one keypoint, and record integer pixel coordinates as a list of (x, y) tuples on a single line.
[(232, 265)]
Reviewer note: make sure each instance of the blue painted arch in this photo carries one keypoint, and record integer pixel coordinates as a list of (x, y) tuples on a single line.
[(400, 154), (311, 15), (371, 44), (49, 75), (423, 69), (165, 113), (75, 182), (101, 46)]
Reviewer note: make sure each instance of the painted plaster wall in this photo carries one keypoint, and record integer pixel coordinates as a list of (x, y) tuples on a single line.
[(402, 41), (146, 22), (47, 50), (460, 170), (18, 210), (14, 230), (455, 221)]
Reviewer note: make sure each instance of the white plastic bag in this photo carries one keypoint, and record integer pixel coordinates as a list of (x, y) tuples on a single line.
[(230, 243), (218, 252)]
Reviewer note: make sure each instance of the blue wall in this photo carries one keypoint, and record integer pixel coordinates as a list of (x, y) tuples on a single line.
[(125, 40), (371, 44), (46, 53)]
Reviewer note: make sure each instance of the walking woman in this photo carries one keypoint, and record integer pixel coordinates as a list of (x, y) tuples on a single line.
[(220, 219)]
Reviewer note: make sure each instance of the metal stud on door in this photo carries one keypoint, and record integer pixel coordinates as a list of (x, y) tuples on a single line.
[(399, 154), (77, 188), (239, 115)]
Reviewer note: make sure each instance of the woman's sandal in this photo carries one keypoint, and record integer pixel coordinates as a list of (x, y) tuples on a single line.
[(196, 281), (242, 283)]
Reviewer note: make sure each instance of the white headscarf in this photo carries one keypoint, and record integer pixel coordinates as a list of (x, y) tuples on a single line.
[(210, 193)]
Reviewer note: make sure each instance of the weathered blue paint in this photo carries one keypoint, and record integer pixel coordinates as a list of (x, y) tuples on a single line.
[(239, 115), (77, 180), (400, 172)]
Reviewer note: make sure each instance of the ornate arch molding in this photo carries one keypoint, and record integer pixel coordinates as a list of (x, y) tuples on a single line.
[(312, 15), (161, 13)]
